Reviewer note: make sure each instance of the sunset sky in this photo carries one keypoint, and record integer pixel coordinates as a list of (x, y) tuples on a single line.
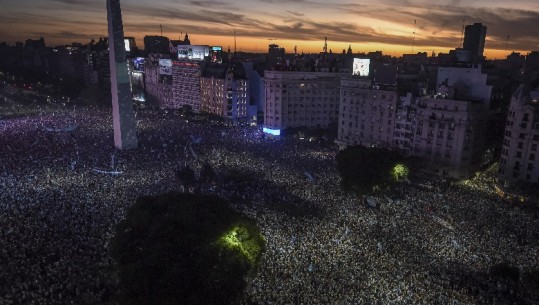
[(367, 25)]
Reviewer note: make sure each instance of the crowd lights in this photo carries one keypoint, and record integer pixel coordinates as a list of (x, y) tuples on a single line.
[(275, 132)]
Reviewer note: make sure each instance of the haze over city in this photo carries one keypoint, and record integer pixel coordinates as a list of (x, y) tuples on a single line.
[(368, 25)]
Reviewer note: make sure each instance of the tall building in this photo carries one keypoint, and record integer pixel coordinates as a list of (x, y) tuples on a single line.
[(276, 55), (474, 40), (301, 99), (366, 114), (186, 84), (448, 133), (156, 45), (520, 155), (224, 92)]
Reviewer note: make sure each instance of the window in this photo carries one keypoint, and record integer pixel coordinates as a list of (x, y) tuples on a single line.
[(519, 154), (520, 145), (532, 157), (534, 147)]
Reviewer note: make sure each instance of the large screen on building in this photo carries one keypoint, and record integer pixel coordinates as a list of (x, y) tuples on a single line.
[(165, 66), (361, 66), (193, 52)]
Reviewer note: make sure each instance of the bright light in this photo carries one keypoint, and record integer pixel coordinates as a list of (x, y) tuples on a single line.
[(361, 66), (400, 171), (239, 238), (275, 132), (127, 45)]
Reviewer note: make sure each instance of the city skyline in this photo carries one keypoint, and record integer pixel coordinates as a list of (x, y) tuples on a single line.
[(386, 25)]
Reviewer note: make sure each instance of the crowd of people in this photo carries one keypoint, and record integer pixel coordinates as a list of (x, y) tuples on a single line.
[(64, 189)]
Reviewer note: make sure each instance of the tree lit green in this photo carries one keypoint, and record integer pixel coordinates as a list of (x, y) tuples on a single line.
[(369, 169), (400, 172), (242, 239), (185, 249)]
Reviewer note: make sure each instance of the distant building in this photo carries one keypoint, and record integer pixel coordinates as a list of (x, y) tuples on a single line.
[(366, 114), (520, 155), (67, 63), (156, 45), (158, 82), (276, 56), (173, 45), (474, 40), (301, 99), (469, 82), (256, 89), (225, 92)]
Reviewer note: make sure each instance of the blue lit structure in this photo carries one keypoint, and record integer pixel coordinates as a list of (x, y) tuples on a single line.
[(274, 132)]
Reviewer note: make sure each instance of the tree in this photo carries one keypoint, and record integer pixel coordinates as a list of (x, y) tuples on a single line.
[(207, 174), (184, 249), (367, 169), (185, 177)]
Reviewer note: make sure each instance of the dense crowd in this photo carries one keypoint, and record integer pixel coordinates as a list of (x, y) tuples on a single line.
[(63, 190)]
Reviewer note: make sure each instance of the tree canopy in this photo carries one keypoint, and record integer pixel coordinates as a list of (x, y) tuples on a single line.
[(184, 249), (365, 168)]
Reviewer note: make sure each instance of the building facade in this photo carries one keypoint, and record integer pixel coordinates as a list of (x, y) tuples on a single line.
[(474, 40), (301, 99), (156, 45), (448, 134), (367, 115), (186, 85), (224, 92), (519, 158), (158, 86)]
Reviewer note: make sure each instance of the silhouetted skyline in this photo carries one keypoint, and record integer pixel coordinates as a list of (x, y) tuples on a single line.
[(386, 25)]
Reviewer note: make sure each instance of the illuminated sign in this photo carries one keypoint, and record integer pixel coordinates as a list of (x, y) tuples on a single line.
[(216, 54), (275, 132), (127, 45), (165, 66), (361, 66), (193, 52), (138, 63)]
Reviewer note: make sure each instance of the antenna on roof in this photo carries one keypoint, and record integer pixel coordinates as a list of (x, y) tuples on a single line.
[(235, 41), (507, 43), (161, 26), (462, 33), (413, 39)]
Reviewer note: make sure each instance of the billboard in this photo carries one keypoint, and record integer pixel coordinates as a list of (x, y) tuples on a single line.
[(127, 45), (138, 64), (165, 66), (361, 66), (193, 52), (216, 54)]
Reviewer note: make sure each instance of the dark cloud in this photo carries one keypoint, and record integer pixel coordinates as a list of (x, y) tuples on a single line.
[(432, 20), (295, 14), (209, 4)]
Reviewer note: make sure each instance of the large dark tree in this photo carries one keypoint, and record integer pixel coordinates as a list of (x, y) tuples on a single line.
[(365, 169), (184, 249)]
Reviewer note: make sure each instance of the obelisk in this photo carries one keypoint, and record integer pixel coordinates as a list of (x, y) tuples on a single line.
[(125, 126)]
